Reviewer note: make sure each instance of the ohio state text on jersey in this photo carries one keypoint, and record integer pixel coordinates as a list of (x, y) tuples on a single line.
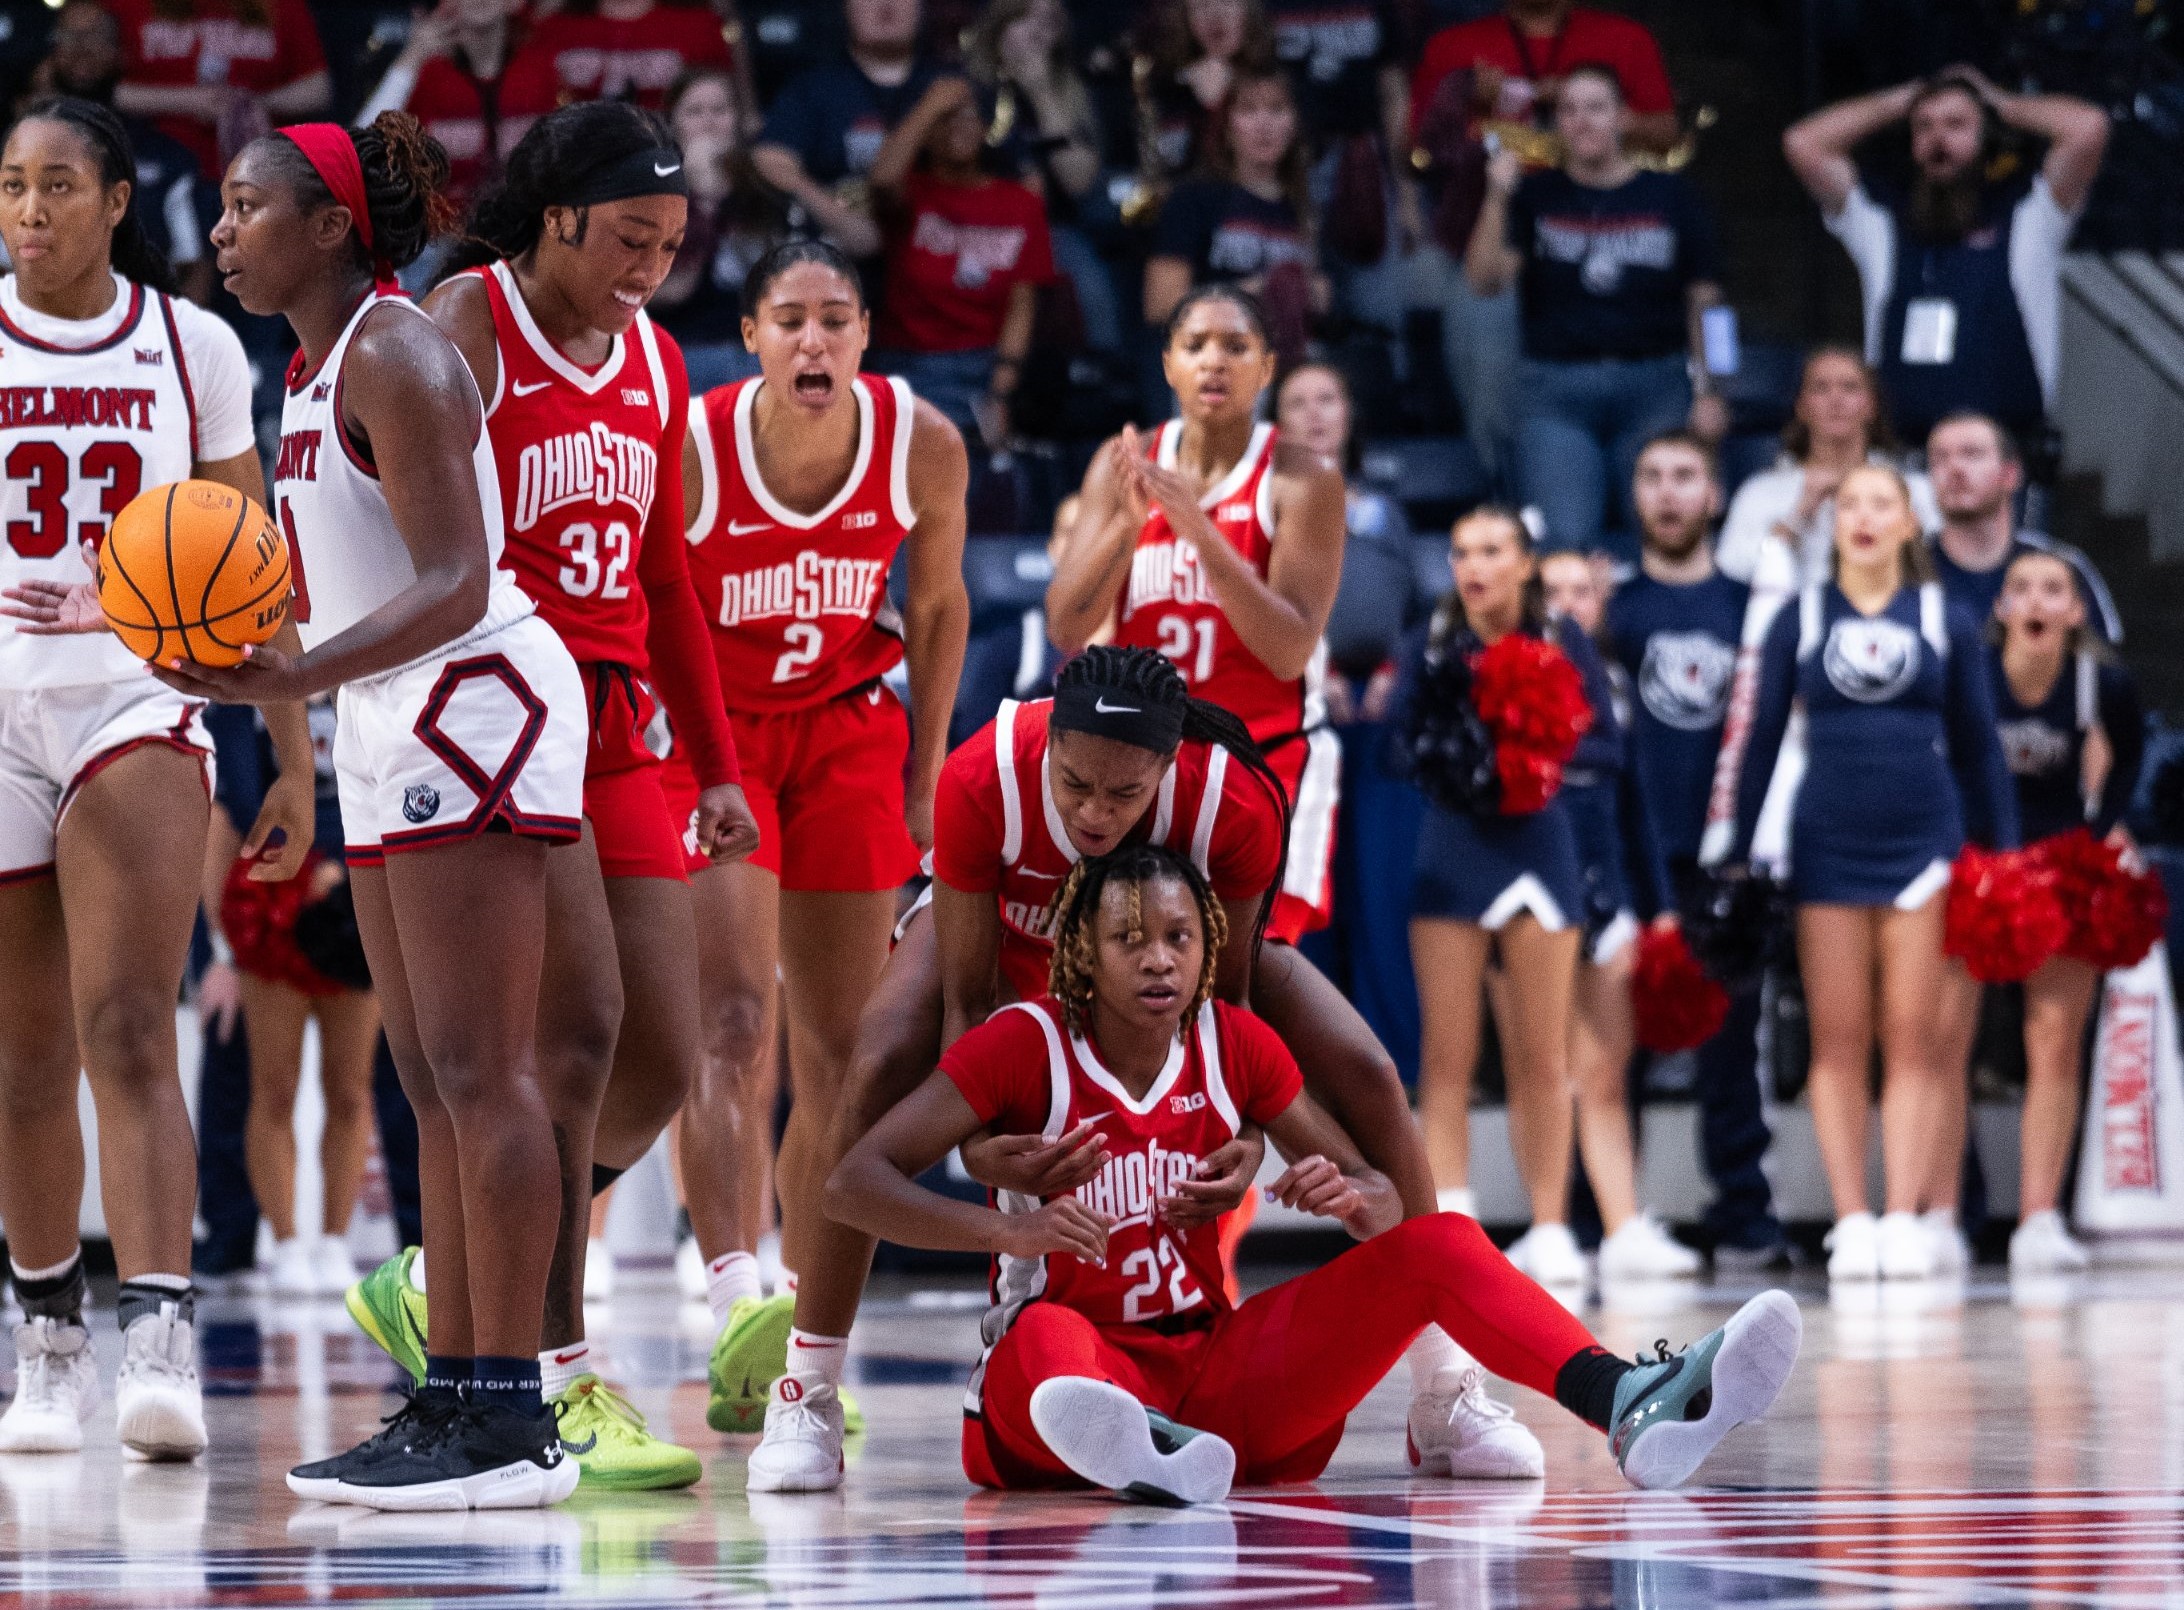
[(799, 602), (1166, 603)]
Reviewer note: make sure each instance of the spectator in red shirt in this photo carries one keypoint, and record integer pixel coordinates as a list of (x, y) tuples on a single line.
[(1506, 69), (455, 77), (631, 50), (216, 74), (965, 254)]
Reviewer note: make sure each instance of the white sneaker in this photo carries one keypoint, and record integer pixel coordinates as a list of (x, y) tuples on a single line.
[(56, 1388), (801, 1451), (1905, 1248), (158, 1407), (690, 1270), (291, 1273), (333, 1268), (2043, 1245), (1456, 1430), (1113, 1441), (598, 1272), (1643, 1250), (1854, 1251), (1550, 1255), (1952, 1252)]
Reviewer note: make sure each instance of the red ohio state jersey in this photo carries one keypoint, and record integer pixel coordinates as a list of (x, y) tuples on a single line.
[(1167, 604), (799, 602), (1024, 1072), (995, 827), (579, 460)]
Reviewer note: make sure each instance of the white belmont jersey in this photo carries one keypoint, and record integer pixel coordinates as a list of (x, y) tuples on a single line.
[(346, 557), (84, 427)]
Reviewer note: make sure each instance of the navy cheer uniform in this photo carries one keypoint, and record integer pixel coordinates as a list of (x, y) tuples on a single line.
[(1607, 814), (1678, 644), (1488, 869), (2044, 745), (1902, 758)]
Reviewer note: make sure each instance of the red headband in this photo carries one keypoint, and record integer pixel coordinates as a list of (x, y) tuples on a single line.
[(332, 155)]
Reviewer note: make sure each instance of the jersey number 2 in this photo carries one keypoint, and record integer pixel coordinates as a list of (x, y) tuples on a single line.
[(1175, 642), (804, 640), (43, 468)]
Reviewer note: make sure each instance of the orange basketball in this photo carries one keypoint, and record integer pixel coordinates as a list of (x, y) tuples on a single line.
[(193, 569)]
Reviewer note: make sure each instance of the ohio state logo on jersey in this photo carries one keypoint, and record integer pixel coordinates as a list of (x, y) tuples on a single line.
[(805, 588), (598, 466), (1165, 573), (1131, 1187)]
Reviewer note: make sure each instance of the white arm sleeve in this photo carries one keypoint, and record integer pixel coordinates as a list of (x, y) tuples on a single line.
[(1869, 235), (219, 380)]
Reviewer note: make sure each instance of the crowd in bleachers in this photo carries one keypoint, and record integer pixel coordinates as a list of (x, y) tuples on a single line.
[(1033, 185)]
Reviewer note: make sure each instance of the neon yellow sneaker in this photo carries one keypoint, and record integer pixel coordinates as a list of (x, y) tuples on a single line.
[(852, 1415), (750, 1354), (606, 1436), (391, 1311)]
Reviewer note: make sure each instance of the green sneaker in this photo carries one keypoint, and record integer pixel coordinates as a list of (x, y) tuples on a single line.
[(606, 1436), (391, 1311), (852, 1415), (751, 1353), (1670, 1414)]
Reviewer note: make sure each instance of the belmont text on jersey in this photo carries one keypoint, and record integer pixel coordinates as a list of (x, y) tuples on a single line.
[(67, 407), (804, 588), (597, 466), (298, 458)]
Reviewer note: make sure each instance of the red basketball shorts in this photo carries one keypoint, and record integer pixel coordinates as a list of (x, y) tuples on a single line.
[(625, 791)]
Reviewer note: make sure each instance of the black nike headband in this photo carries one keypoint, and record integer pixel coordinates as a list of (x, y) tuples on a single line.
[(655, 171), (1126, 716)]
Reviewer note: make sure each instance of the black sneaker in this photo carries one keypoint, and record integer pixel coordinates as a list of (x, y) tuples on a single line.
[(424, 1410), (486, 1457)]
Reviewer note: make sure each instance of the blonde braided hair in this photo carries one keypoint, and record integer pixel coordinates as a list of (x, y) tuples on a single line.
[(1076, 908)]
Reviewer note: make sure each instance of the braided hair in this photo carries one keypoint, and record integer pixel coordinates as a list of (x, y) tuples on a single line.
[(405, 179), (1071, 976), (132, 253), (557, 157), (1148, 675)]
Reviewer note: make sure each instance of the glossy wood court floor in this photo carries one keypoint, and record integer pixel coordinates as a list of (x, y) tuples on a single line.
[(1940, 1445)]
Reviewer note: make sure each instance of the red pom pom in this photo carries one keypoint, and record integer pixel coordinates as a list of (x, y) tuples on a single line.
[(259, 922), (1533, 701), (1677, 1005), (2003, 920), (2115, 914)]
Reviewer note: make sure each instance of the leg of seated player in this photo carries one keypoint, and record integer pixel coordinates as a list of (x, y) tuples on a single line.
[(1002, 1448)]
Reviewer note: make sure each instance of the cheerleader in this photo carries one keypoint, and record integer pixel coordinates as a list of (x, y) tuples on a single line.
[(2073, 734), (1892, 683), (1607, 813), (1509, 883)]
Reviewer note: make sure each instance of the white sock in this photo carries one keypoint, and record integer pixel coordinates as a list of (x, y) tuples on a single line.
[(1457, 1199), (729, 1278), (417, 1270), (559, 1366), (54, 1272), (817, 1360), (1429, 1354)]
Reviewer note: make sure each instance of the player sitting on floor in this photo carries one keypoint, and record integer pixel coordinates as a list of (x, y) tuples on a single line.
[(1112, 1355)]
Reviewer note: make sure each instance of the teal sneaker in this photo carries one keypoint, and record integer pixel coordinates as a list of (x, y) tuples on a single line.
[(1110, 1439), (1669, 1414), (391, 1311)]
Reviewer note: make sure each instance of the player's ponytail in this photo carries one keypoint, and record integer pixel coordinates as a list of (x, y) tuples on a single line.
[(1150, 680), (563, 160), (405, 185), (132, 254)]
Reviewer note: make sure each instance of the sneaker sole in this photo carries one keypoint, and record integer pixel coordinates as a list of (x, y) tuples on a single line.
[(1099, 1431), (659, 1479), (159, 1428), (522, 1485), (54, 1433), (1758, 1351), (315, 1489), (764, 1331)]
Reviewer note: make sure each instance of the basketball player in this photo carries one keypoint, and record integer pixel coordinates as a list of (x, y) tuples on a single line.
[(1114, 1357), (586, 402), (802, 485), (460, 759), (1121, 754), (108, 385)]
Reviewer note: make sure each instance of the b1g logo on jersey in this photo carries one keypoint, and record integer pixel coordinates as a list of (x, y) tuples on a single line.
[(806, 587), (1165, 573), (598, 465), (1870, 661), (1683, 680)]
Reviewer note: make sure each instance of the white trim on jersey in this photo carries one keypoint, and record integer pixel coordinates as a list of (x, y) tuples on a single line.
[(1055, 829), (1171, 436), (549, 354), (898, 469), (1217, 1090), (1209, 807), (1004, 757), (1096, 1071), (1312, 818), (651, 344), (701, 438), (1164, 807), (747, 460)]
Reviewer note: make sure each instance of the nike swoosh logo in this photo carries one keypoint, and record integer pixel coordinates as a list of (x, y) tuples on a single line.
[(1043, 877), (522, 390), (736, 528), (564, 1358), (1104, 708), (580, 1448), (672, 167)]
